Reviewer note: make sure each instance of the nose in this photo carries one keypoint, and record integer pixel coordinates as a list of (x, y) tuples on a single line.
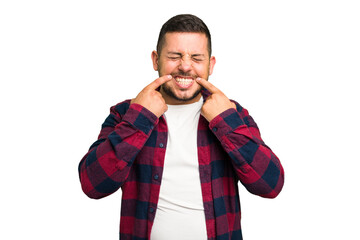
[(185, 63)]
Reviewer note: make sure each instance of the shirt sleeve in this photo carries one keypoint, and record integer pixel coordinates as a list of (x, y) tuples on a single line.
[(257, 167), (106, 165)]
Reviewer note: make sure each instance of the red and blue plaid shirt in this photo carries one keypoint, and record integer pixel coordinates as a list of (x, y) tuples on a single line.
[(130, 151)]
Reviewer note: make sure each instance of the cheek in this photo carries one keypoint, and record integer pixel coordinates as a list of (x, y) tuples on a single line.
[(169, 85), (202, 71), (167, 67)]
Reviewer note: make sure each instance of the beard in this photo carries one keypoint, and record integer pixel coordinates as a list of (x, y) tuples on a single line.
[(170, 92)]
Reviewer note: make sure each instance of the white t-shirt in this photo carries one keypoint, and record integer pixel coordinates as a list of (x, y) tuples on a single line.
[(180, 213)]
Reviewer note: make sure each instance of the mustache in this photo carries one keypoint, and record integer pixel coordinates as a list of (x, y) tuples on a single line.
[(183, 74)]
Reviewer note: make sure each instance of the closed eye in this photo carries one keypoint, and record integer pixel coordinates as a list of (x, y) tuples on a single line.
[(197, 59), (174, 58)]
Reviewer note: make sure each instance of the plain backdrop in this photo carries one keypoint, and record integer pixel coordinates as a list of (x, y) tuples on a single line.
[(293, 64)]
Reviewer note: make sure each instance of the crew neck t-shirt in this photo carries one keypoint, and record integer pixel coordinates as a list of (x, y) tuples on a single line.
[(180, 211)]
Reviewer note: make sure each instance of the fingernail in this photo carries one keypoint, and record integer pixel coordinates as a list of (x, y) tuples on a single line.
[(169, 76), (198, 79)]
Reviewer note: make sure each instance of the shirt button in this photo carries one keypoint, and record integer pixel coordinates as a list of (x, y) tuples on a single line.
[(215, 129), (161, 145), (151, 210), (156, 177)]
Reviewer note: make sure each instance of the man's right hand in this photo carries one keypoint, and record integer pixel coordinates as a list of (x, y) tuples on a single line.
[(152, 99)]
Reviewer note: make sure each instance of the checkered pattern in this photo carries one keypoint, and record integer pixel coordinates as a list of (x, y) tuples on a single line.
[(130, 154)]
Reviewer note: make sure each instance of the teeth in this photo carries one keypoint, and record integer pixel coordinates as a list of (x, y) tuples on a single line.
[(184, 81)]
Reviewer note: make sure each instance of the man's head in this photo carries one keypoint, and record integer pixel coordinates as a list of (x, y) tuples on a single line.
[(184, 51), (183, 23)]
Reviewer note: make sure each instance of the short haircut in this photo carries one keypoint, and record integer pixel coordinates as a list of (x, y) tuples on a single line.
[(183, 23)]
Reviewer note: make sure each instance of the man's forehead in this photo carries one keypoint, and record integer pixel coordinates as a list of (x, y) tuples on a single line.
[(186, 42)]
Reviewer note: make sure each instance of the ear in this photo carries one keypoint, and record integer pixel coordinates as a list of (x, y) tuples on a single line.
[(212, 64), (155, 59)]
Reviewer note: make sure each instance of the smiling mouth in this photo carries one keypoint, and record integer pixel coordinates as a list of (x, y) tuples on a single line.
[(184, 82)]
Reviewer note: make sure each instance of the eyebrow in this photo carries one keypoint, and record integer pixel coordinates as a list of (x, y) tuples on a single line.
[(174, 53), (198, 55)]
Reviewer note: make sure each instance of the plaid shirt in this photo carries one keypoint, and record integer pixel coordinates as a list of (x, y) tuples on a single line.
[(130, 152)]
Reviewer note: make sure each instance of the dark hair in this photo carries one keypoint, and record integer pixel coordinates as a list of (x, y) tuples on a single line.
[(183, 23)]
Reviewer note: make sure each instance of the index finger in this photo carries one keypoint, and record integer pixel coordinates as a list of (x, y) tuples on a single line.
[(206, 84), (158, 82)]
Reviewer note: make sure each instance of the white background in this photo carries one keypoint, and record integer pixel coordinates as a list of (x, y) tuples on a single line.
[(292, 64)]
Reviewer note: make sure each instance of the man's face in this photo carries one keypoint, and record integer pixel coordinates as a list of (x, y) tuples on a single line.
[(185, 56)]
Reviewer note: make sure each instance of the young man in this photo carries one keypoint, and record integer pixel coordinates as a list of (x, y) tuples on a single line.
[(180, 147)]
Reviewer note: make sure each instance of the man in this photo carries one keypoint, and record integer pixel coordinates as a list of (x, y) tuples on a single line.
[(180, 147)]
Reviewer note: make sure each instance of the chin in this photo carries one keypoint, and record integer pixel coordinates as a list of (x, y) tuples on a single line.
[(181, 95)]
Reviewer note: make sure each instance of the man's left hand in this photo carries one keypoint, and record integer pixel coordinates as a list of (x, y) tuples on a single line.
[(216, 103)]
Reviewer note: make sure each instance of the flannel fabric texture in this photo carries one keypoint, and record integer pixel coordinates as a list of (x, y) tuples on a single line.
[(130, 151)]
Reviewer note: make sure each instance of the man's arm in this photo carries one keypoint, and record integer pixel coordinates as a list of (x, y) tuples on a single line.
[(257, 167), (107, 164)]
